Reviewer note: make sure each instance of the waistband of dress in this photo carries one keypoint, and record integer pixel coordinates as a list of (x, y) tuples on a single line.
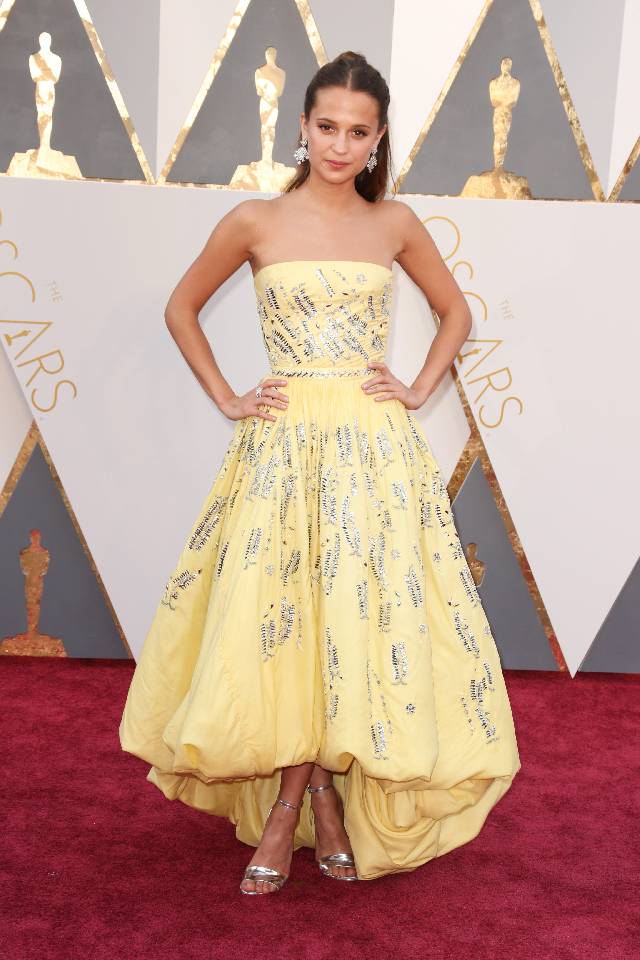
[(322, 371)]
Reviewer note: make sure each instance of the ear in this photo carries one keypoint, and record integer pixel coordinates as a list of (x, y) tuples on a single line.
[(384, 130)]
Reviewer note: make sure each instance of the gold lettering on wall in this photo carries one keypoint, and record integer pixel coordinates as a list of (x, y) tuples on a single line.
[(475, 360), (20, 335)]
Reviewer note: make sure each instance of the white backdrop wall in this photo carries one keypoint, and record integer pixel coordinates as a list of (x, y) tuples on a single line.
[(542, 396)]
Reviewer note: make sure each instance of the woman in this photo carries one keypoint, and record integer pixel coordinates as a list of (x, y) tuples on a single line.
[(320, 669)]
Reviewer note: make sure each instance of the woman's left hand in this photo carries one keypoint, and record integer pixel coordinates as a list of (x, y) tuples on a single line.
[(386, 387)]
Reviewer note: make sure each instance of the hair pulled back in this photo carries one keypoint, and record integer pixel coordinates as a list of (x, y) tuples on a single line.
[(352, 71)]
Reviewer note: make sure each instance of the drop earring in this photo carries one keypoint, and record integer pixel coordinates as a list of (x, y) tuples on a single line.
[(302, 153), (372, 161)]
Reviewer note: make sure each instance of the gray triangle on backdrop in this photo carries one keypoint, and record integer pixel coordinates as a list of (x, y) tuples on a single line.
[(631, 186), (124, 28), (340, 27), (72, 605), (616, 646), (515, 625), (86, 123), (540, 147), (226, 130)]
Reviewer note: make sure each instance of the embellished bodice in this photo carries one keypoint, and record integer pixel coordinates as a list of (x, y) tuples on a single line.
[(324, 316)]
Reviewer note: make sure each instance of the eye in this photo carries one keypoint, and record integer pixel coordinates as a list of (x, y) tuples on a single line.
[(363, 132), (324, 126)]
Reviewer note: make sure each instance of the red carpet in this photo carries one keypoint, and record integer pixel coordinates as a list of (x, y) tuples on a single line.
[(98, 865)]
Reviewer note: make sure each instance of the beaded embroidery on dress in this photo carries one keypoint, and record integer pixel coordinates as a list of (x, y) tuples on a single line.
[(322, 607)]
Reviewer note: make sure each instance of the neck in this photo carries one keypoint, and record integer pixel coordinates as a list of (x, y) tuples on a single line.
[(331, 196)]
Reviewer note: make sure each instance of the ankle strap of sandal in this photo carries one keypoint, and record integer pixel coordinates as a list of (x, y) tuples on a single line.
[(325, 786), (293, 806)]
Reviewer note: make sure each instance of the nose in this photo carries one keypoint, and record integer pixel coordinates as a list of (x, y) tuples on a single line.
[(340, 145)]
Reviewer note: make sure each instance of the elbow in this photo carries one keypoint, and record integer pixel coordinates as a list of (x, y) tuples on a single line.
[(467, 319), (460, 319), (169, 312), (172, 314), (179, 317), (174, 309)]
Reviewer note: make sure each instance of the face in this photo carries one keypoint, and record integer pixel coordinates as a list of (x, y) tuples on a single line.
[(342, 127)]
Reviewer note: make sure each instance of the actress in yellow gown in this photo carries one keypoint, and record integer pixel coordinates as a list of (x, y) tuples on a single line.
[(322, 609)]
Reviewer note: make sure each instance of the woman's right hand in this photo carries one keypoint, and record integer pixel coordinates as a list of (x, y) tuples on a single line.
[(248, 405)]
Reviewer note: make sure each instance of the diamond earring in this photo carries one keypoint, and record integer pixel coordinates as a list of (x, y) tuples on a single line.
[(371, 162), (302, 153)]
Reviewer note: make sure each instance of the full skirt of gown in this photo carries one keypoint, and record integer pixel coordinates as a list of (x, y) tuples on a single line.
[(322, 608)]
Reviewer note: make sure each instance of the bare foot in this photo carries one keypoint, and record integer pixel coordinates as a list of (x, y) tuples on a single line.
[(331, 836), (275, 848)]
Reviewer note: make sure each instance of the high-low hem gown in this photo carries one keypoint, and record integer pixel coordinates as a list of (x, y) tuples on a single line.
[(322, 608)]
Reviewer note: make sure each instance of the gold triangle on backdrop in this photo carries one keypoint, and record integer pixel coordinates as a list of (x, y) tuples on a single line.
[(255, 179), (42, 161), (561, 84), (34, 643), (624, 173)]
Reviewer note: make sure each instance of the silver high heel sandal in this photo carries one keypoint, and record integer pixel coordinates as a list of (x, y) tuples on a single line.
[(267, 874), (338, 859)]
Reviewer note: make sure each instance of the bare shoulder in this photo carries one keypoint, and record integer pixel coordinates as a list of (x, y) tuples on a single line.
[(258, 212), (246, 223), (390, 205), (413, 231), (400, 221), (403, 214), (246, 212)]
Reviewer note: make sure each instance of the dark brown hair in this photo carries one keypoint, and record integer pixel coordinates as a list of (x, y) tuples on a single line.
[(352, 71)]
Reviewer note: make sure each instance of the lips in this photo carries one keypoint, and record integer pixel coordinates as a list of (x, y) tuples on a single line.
[(336, 163)]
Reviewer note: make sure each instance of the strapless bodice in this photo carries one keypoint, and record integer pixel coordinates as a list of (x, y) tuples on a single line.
[(324, 317)]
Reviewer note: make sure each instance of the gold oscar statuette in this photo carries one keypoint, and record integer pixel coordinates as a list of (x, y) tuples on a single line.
[(34, 563), (476, 566), (264, 174), (44, 161), (499, 183)]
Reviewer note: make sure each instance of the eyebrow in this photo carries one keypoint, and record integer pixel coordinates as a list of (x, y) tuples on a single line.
[(353, 124)]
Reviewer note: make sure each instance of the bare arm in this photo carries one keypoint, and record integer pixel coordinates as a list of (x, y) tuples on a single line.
[(227, 248), (421, 260)]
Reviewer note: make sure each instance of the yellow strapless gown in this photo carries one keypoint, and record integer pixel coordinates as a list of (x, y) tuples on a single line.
[(322, 607)]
